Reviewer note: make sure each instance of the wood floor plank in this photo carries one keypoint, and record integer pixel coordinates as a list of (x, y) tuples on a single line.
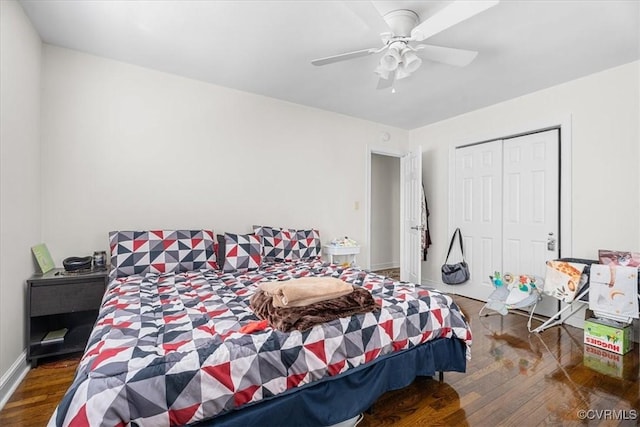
[(514, 378)]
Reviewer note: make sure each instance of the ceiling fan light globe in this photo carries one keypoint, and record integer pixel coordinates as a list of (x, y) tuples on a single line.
[(390, 60), (411, 62), (402, 72), (384, 74)]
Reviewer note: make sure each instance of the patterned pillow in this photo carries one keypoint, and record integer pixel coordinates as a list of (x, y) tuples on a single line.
[(278, 244), (286, 244), (309, 244), (239, 252), (161, 251)]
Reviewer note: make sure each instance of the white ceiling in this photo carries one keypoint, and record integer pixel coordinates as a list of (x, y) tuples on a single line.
[(265, 47)]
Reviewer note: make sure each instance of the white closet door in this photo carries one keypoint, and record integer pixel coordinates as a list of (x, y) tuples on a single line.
[(478, 213), (531, 205), (506, 202)]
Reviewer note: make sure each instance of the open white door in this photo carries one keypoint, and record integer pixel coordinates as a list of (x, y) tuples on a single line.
[(410, 212)]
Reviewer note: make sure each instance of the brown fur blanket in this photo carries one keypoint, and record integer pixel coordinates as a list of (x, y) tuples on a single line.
[(286, 319)]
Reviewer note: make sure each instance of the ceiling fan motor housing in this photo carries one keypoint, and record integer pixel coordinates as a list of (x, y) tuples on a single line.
[(401, 22)]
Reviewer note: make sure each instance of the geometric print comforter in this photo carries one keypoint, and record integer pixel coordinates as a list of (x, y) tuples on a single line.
[(166, 348)]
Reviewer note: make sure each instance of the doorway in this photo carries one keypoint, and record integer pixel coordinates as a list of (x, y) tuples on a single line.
[(385, 212)]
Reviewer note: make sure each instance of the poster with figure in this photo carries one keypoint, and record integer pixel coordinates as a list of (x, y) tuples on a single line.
[(624, 258)]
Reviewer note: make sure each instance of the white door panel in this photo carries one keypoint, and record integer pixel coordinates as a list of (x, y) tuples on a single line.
[(531, 205), (411, 212), (478, 214)]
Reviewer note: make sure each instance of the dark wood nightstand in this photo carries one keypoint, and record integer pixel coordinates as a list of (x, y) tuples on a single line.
[(57, 300)]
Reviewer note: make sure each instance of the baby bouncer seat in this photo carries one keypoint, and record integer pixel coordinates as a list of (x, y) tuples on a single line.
[(514, 293)]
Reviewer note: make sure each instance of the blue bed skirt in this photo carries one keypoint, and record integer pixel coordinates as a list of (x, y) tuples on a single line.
[(344, 396)]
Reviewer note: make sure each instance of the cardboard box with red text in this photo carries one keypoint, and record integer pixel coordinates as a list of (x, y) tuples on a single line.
[(608, 336)]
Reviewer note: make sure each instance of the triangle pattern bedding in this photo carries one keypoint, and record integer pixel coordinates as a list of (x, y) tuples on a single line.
[(166, 348)]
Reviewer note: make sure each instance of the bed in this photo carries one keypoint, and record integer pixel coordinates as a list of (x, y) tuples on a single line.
[(167, 347)]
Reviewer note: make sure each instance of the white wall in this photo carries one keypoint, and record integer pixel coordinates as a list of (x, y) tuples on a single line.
[(603, 109), (20, 56), (131, 148), (385, 211)]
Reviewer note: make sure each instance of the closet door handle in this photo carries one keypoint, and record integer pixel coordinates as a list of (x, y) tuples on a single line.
[(417, 227)]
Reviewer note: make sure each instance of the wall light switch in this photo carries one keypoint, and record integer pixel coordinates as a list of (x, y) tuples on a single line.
[(356, 205)]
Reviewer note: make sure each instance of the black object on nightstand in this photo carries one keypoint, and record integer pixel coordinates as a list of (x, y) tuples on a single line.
[(60, 300)]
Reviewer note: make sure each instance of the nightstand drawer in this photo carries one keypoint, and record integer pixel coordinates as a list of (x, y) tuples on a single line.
[(66, 298)]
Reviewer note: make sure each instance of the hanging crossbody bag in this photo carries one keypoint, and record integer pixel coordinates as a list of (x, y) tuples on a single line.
[(455, 274)]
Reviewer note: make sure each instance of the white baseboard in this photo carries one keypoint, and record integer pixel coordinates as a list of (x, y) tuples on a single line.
[(438, 285), (384, 266), (12, 378), (429, 282)]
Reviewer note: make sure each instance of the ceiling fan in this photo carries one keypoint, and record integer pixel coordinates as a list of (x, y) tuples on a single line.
[(400, 57)]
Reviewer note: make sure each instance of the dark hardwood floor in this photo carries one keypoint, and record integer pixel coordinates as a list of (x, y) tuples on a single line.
[(513, 379)]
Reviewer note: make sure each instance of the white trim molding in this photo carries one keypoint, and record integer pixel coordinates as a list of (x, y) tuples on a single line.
[(12, 378), (384, 266)]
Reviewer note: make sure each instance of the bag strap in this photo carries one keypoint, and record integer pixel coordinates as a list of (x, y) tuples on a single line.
[(453, 239)]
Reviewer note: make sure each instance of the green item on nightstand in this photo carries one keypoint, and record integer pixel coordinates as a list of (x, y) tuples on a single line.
[(53, 337), (43, 257)]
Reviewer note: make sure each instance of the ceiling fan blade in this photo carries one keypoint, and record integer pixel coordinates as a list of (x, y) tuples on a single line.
[(344, 56), (456, 12), (368, 14), (386, 83), (447, 55)]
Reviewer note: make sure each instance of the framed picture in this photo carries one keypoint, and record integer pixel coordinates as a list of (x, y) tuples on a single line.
[(43, 257)]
